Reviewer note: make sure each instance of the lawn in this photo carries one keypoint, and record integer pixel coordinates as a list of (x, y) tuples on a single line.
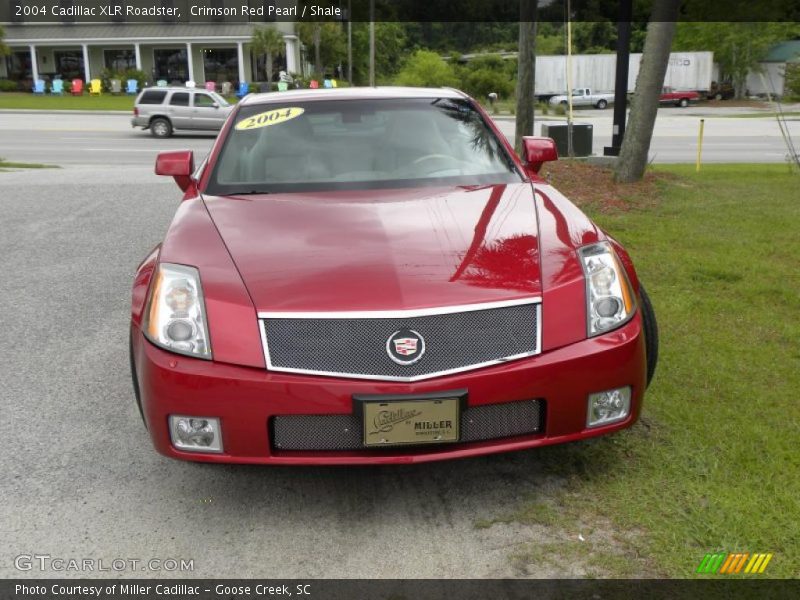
[(21, 100), (5, 165), (713, 465)]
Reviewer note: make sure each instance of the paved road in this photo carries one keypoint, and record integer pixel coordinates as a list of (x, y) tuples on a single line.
[(109, 140), (79, 477)]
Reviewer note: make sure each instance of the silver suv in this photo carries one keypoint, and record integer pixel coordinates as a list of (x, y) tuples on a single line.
[(162, 110)]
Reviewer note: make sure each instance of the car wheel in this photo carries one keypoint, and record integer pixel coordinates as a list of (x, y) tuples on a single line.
[(160, 128), (683, 103), (601, 104), (650, 333), (135, 379), (717, 96)]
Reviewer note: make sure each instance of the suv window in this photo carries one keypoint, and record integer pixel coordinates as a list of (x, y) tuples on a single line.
[(154, 97), (180, 99), (203, 100)]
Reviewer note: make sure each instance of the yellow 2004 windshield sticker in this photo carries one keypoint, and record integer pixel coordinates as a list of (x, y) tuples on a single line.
[(271, 117)]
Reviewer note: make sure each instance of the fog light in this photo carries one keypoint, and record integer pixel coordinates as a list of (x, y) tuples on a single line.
[(196, 434), (608, 407)]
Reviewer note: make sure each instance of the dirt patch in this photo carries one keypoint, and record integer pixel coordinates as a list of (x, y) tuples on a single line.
[(738, 103), (592, 186)]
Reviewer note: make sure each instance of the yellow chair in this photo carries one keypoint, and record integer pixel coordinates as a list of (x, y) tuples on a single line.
[(95, 87)]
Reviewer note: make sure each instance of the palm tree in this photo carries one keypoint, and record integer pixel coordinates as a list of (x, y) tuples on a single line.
[(311, 33), (269, 42)]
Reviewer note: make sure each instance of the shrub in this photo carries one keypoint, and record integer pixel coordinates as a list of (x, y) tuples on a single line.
[(8, 86), (106, 75), (482, 82), (426, 69), (791, 84)]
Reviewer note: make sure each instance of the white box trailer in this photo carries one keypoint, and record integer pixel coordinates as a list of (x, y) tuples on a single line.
[(686, 71)]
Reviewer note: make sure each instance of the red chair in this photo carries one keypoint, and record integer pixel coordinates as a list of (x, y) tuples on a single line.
[(313, 84), (211, 86), (77, 87)]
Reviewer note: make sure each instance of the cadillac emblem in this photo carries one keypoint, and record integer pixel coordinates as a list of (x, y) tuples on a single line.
[(405, 347)]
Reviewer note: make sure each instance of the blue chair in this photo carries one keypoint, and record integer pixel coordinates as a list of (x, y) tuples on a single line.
[(133, 87), (38, 86), (161, 83), (57, 88), (244, 89), (327, 84)]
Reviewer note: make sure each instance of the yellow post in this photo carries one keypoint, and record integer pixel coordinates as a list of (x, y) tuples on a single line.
[(700, 144)]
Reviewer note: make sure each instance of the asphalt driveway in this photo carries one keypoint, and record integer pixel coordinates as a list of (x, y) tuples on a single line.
[(80, 479)]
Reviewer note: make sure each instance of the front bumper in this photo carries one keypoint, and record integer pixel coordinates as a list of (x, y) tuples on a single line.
[(245, 399)]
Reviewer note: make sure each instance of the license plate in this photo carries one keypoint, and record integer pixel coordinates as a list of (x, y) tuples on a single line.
[(411, 422)]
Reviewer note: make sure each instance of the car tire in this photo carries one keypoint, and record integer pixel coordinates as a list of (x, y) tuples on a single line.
[(601, 104), (160, 128), (135, 380), (683, 103), (650, 333)]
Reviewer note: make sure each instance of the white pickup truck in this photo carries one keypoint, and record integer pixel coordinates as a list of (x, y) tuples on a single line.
[(584, 97)]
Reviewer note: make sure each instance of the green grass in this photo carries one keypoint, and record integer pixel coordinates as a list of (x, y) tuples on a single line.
[(714, 463), (20, 100), (761, 115)]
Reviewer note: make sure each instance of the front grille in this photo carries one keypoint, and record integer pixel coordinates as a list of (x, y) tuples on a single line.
[(344, 432), (357, 347)]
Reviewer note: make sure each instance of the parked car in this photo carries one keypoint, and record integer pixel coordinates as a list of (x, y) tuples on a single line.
[(164, 110), (720, 91), (372, 275), (584, 97), (678, 97)]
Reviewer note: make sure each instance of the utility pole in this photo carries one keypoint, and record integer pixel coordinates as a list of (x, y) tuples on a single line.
[(526, 71), (372, 43), (621, 81), (349, 44)]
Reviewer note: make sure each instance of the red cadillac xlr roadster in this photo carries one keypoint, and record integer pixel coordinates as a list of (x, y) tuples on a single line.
[(372, 275)]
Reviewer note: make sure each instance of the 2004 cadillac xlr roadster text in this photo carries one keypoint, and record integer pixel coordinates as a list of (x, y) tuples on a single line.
[(373, 276)]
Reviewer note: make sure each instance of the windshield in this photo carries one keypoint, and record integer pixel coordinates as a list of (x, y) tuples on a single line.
[(359, 144)]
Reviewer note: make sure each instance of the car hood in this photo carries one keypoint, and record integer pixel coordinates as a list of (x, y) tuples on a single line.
[(383, 249)]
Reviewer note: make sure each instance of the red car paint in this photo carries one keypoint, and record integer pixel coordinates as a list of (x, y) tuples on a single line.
[(347, 251), (678, 97)]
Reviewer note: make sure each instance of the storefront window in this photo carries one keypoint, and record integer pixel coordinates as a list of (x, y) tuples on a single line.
[(119, 60), (69, 64), (221, 64), (171, 65)]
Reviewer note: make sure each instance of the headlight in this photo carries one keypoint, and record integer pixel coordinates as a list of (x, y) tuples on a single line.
[(175, 317), (609, 298)]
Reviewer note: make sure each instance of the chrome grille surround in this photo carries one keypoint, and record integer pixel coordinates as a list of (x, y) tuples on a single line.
[(353, 344), (345, 432)]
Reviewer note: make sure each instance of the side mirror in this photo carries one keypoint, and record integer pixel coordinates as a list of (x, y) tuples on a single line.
[(536, 151), (180, 165), (215, 105)]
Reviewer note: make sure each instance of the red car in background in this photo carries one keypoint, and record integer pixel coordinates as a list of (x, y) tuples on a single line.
[(678, 98), (372, 275)]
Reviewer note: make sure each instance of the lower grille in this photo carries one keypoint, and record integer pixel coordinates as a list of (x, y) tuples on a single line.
[(344, 432)]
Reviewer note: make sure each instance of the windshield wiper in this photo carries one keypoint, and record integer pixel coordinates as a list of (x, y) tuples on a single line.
[(245, 193)]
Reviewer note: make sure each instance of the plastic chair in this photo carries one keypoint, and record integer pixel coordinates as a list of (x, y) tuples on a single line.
[(133, 86), (327, 84), (211, 86), (38, 86), (95, 87), (57, 88), (191, 84), (161, 83), (334, 83), (227, 87), (116, 86), (282, 86), (313, 84), (244, 89), (77, 87)]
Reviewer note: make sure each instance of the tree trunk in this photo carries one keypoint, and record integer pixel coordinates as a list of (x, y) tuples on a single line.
[(269, 67), (526, 71), (655, 57)]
